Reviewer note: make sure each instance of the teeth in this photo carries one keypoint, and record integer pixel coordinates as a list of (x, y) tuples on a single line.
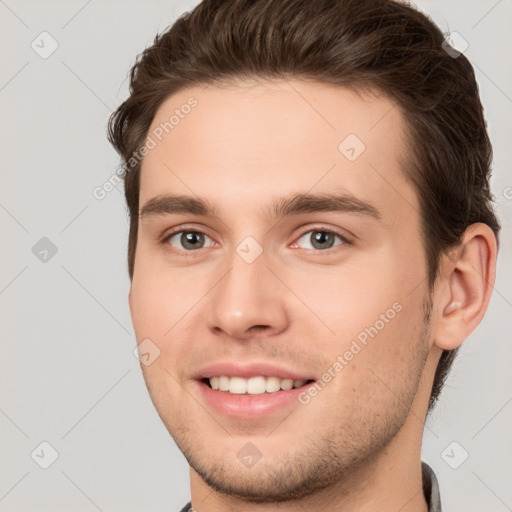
[(237, 385), (273, 384), (254, 385)]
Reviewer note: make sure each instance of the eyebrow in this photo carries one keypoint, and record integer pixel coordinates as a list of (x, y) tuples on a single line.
[(294, 204)]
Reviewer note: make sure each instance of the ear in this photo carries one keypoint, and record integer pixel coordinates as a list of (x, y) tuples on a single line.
[(465, 288)]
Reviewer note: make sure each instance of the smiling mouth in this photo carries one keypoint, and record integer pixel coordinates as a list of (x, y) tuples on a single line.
[(257, 385)]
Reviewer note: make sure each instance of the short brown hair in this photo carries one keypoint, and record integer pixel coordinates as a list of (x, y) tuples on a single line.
[(382, 45)]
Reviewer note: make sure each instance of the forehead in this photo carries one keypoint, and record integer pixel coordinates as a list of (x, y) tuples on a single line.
[(243, 141)]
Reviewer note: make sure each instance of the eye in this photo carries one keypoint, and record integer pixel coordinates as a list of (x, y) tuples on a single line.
[(321, 239), (189, 240)]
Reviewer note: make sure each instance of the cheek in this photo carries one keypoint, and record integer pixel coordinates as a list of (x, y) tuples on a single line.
[(146, 306), (348, 297), (376, 301), (156, 310), (162, 297), (164, 306)]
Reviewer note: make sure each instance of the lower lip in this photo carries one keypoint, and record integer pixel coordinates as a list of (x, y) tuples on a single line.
[(249, 406)]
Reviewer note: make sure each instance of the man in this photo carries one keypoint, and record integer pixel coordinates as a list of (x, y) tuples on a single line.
[(311, 240)]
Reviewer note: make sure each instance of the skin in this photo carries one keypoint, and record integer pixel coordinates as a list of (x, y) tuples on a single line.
[(356, 445)]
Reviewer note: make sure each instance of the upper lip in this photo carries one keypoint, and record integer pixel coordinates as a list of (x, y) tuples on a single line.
[(247, 370)]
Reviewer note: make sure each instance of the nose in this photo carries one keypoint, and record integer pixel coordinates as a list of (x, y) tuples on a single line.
[(248, 302)]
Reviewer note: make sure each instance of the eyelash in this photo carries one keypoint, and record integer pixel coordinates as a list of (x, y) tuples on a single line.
[(320, 229)]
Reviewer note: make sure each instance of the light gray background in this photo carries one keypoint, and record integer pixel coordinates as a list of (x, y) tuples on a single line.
[(68, 374)]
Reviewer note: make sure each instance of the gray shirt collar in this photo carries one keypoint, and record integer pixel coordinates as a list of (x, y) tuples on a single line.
[(431, 488)]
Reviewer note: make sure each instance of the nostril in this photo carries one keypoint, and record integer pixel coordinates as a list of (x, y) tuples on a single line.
[(258, 328)]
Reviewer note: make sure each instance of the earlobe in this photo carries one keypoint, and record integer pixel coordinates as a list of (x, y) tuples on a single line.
[(468, 283)]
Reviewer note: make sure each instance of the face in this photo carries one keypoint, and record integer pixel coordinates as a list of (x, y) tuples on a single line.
[(291, 256)]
